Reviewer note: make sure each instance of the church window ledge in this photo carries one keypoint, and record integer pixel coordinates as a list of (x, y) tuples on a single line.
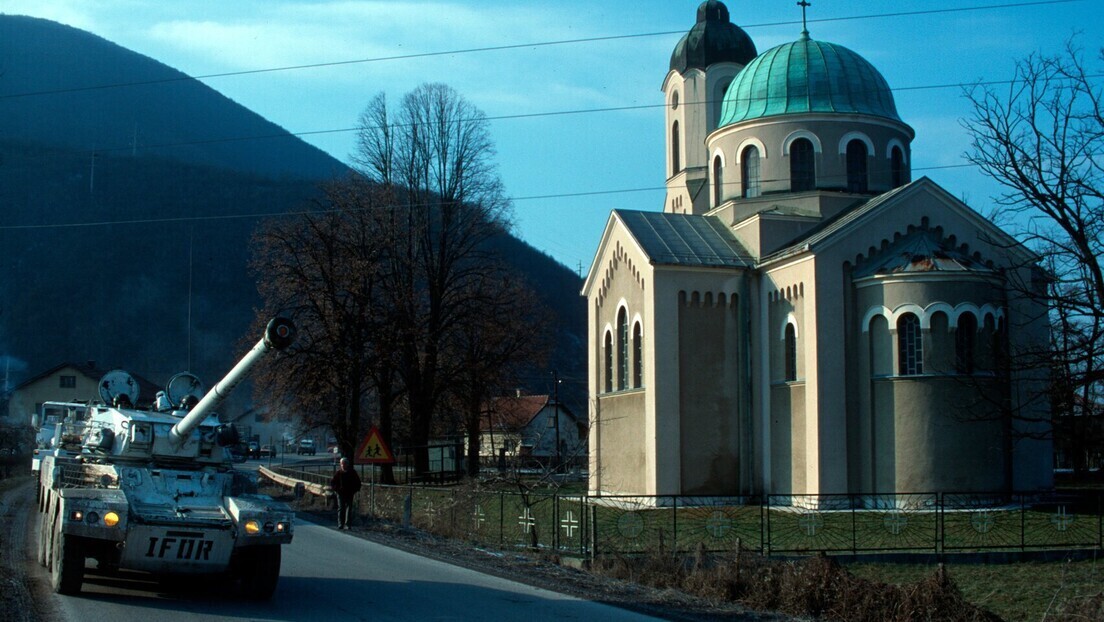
[(621, 392)]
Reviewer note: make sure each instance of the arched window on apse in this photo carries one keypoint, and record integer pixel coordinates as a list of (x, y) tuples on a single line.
[(802, 165), (910, 348), (638, 356), (622, 349), (856, 166), (966, 343), (607, 382), (749, 169), (791, 353), (718, 181)]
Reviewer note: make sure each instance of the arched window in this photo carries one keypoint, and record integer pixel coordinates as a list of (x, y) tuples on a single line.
[(897, 167), (607, 382), (718, 181), (802, 165), (638, 356), (676, 164), (749, 169), (622, 350), (910, 348), (966, 343), (856, 166), (718, 102), (791, 353)]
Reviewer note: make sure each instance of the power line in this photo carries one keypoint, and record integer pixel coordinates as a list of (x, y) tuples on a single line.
[(514, 46), (526, 115), (224, 217)]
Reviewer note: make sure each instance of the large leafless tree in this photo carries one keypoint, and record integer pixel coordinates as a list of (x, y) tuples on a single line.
[(432, 153), (1042, 139)]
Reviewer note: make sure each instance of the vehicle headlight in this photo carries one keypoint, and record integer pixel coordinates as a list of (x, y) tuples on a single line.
[(92, 518), (252, 527), (76, 515), (283, 527), (111, 519)]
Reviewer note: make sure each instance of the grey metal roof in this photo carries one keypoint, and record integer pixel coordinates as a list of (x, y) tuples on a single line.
[(684, 240)]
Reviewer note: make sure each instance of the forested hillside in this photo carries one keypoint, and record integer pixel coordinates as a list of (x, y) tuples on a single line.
[(125, 218)]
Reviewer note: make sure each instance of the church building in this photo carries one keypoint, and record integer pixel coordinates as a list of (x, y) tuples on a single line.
[(803, 316)]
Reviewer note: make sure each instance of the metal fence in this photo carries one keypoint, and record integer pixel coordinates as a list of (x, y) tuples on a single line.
[(587, 526)]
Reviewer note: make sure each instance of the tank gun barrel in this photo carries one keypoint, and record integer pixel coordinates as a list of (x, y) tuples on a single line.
[(278, 335)]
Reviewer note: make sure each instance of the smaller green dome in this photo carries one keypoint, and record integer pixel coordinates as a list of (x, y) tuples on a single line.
[(807, 76), (713, 39)]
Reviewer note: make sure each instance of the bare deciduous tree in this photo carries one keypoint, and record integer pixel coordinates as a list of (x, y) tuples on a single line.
[(434, 156), (1042, 140), (323, 269)]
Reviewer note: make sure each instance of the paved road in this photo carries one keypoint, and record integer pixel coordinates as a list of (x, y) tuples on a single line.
[(329, 575)]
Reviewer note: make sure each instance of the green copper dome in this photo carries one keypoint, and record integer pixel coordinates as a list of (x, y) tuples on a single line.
[(807, 76)]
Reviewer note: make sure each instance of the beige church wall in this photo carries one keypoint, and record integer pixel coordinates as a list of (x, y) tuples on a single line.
[(622, 426), (787, 417), (623, 464), (831, 171), (725, 400), (709, 360), (795, 453), (939, 449)]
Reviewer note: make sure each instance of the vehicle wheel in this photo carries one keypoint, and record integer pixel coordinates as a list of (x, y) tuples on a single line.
[(68, 563), (43, 534), (260, 570)]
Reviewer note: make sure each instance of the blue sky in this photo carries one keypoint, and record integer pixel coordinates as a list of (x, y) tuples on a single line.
[(609, 159)]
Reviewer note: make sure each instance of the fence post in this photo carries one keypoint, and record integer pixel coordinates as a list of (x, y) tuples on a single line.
[(593, 531), (501, 517), (940, 525), (764, 527), (854, 526), (555, 521), (674, 524), (1023, 523)]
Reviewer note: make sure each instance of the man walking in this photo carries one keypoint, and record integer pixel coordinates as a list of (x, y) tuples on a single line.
[(345, 483)]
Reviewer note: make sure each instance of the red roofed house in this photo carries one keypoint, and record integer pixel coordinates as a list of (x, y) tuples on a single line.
[(524, 429)]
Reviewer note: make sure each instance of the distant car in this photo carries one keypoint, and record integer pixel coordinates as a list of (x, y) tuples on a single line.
[(267, 451), (306, 447), (254, 450)]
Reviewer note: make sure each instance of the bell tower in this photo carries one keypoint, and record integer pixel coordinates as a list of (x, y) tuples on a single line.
[(703, 64)]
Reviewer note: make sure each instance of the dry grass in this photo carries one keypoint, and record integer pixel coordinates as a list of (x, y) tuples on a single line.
[(1018, 592), (816, 586)]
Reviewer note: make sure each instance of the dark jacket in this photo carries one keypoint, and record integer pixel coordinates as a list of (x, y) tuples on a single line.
[(345, 483)]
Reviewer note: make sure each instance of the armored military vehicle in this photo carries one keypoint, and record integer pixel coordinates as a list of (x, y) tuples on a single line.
[(155, 489)]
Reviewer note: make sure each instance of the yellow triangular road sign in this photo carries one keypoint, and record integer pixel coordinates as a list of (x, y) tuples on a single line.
[(373, 450)]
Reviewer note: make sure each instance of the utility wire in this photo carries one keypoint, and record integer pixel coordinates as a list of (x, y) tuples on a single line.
[(225, 217), (515, 46), (525, 115)]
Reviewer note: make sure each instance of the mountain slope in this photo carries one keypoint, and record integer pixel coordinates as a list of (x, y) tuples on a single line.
[(137, 257)]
